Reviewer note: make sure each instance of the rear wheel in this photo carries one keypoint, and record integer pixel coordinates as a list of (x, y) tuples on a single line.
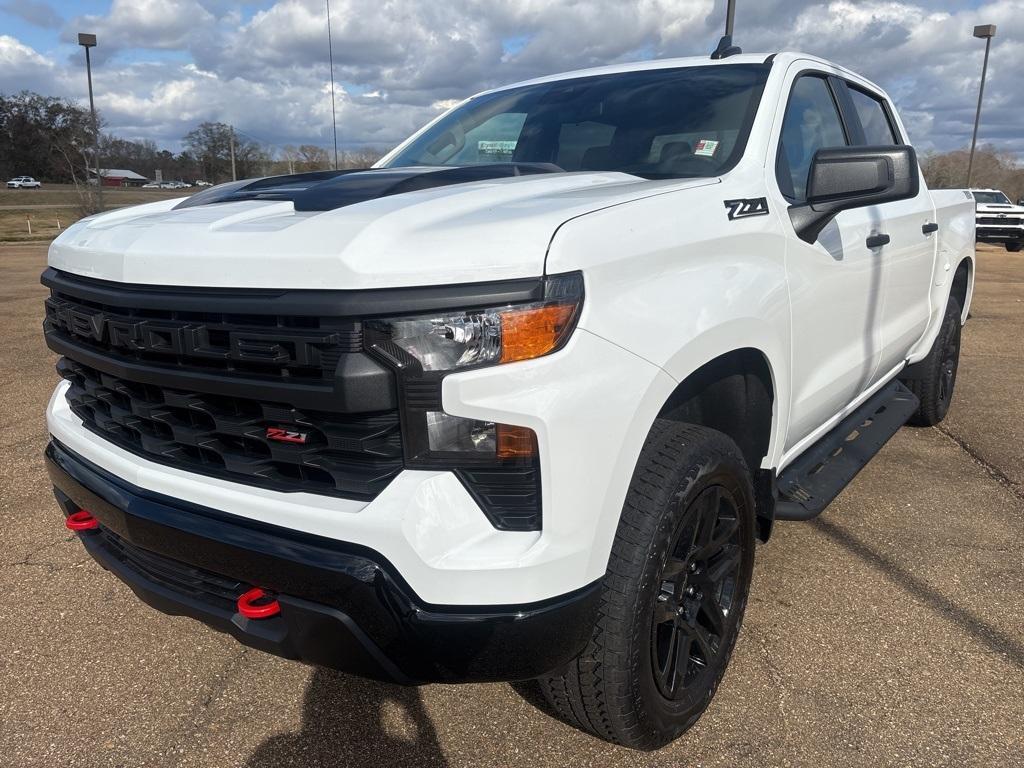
[(1014, 247), (934, 387), (674, 594)]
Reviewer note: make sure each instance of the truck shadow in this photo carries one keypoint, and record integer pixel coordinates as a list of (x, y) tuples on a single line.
[(347, 721), (990, 636)]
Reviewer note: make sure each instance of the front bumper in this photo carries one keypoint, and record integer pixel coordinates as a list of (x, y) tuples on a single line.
[(992, 234), (342, 606)]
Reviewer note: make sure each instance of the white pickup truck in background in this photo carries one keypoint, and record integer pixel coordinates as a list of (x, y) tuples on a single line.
[(998, 220), (517, 402), (23, 182)]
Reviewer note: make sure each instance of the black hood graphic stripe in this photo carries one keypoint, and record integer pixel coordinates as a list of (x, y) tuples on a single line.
[(327, 190)]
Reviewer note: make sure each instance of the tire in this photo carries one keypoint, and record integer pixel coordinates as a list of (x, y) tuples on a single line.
[(1014, 247), (673, 596), (934, 388)]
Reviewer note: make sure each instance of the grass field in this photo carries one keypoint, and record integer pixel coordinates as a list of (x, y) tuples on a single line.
[(55, 203), (46, 223)]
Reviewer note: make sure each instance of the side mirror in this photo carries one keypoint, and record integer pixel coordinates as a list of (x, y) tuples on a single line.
[(853, 177)]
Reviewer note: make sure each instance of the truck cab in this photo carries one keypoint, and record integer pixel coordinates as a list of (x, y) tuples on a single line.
[(518, 401)]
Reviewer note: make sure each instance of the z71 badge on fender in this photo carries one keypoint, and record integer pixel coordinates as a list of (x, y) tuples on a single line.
[(741, 209)]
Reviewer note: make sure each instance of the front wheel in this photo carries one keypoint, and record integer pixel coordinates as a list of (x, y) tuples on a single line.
[(1014, 247), (673, 596)]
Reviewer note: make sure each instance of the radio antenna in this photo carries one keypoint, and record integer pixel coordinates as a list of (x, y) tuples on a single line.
[(725, 47)]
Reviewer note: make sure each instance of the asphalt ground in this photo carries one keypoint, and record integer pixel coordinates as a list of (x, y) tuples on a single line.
[(890, 632)]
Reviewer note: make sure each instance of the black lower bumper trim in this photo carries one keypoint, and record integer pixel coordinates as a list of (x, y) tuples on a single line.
[(342, 606), (993, 235)]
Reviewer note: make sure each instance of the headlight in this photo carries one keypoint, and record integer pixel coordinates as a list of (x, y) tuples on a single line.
[(497, 463), (453, 340)]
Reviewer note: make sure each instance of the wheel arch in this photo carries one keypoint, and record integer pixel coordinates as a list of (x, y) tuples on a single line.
[(737, 393), (963, 285), (733, 393)]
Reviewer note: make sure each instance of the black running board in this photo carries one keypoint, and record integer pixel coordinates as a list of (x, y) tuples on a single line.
[(810, 483)]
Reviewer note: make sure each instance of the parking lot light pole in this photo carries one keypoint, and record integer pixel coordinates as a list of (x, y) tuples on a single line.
[(88, 41), (987, 32)]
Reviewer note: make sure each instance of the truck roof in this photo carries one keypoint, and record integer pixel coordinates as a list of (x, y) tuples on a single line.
[(783, 57)]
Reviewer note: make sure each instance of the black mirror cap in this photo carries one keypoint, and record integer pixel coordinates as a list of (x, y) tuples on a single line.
[(854, 177)]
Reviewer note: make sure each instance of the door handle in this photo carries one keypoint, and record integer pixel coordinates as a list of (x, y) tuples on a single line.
[(930, 227), (877, 241)]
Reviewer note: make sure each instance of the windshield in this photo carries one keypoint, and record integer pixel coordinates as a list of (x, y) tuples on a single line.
[(664, 123), (991, 198)]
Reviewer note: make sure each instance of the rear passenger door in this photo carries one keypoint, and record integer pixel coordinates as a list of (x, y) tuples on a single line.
[(908, 259)]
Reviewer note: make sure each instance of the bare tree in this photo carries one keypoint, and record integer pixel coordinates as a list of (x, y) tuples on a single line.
[(992, 169)]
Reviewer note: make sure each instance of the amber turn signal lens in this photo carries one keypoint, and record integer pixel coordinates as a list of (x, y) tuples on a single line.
[(515, 442), (530, 333)]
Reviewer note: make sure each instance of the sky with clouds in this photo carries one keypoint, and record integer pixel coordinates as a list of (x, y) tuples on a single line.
[(162, 66)]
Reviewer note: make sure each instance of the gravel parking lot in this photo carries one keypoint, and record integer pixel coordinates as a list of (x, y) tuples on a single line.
[(890, 632)]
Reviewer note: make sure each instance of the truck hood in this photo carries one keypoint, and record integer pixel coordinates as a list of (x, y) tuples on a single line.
[(994, 209), (487, 230)]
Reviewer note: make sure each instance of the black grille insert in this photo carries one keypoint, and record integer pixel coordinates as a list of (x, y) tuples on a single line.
[(349, 455), (299, 347)]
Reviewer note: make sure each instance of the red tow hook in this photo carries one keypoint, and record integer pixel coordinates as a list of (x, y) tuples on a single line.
[(258, 604), (82, 520)]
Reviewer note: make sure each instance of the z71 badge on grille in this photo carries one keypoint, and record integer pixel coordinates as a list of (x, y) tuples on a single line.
[(282, 435), (750, 206)]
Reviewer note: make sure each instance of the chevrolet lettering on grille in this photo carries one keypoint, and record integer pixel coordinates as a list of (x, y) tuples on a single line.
[(190, 339)]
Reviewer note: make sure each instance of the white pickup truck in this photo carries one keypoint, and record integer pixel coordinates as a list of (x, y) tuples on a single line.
[(23, 182), (517, 402), (998, 220)]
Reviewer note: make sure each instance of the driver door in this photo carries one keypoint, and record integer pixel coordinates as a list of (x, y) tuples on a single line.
[(835, 284)]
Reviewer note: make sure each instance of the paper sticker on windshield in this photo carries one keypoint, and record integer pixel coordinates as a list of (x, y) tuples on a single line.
[(706, 148), (497, 151)]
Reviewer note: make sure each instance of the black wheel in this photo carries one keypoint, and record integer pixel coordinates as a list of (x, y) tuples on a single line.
[(1014, 247), (674, 594), (935, 386)]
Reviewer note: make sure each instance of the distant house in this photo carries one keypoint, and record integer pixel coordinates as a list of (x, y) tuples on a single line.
[(118, 177)]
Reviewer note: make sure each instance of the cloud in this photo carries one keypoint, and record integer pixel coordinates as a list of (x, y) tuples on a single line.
[(164, 65), (146, 24), (35, 12), (22, 68)]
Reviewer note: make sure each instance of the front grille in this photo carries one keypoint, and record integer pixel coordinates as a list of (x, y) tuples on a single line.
[(211, 588), (349, 455), (1005, 221), (293, 347)]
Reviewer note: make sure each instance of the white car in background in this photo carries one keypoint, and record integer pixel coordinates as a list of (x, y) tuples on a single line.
[(23, 182)]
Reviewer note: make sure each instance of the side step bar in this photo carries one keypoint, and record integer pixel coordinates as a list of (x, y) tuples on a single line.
[(810, 483)]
